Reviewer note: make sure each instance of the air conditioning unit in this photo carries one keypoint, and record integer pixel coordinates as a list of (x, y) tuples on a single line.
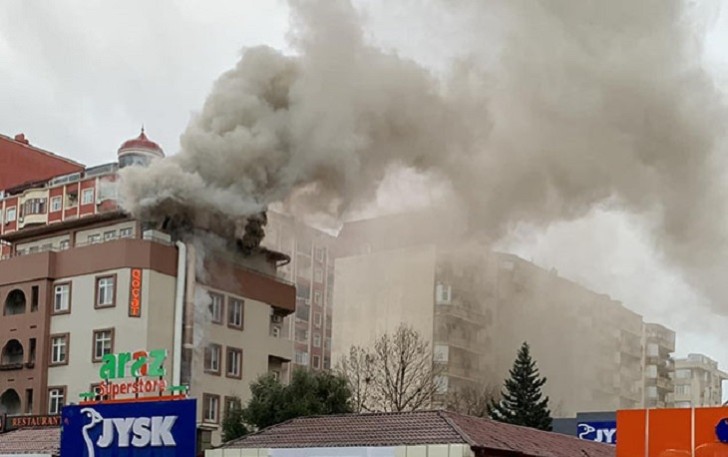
[(276, 319)]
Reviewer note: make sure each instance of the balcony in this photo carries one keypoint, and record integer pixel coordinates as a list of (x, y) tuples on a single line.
[(281, 348), (11, 366)]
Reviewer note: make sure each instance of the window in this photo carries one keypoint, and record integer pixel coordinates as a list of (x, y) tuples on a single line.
[(443, 294), (96, 388), (276, 374), (126, 232), (301, 358), (211, 408), (34, 206), (59, 349), (103, 343), (317, 298), (212, 359), (316, 340), (301, 335), (62, 298), (10, 214), (651, 371), (275, 331), (105, 296), (682, 390), (318, 275), (320, 254), (87, 197), (441, 353), (441, 383), (56, 399), (235, 313), (316, 361), (71, 199), (682, 374), (95, 238), (234, 364), (317, 319), (652, 350), (110, 235), (63, 245), (652, 391), (216, 308), (56, 204)]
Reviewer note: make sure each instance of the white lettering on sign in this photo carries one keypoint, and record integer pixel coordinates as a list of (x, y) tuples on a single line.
[(155, 431), (601, 435)]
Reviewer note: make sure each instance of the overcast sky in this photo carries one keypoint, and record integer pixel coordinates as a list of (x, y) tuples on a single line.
[(79, 78)]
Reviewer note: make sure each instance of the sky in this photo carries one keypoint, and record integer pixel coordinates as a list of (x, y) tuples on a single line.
[(79, 78)]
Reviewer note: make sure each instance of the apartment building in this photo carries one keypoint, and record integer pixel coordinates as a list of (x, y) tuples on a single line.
[(81, 279), (659, 344), (698, 382), (477, 306), (312, 271)]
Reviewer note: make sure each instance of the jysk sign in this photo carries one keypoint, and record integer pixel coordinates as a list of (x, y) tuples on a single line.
[(602, 432), (139, 429)]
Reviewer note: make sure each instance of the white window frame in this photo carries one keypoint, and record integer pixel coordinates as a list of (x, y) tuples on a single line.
[(216, 307), (94, 238), (317, 297), (62, 297), (106, 288), (110, 235), (237, 362), (11, 214), (318, 274), (56, 400), (212, 409), (59, 349), (213, 359), (316, 340), (56, 200), (126, 232), (85, 200), (64, 244), (317, 319), (105, 338), (235, 311)]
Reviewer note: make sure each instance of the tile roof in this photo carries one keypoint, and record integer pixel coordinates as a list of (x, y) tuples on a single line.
[(31, 440), (421, 427)]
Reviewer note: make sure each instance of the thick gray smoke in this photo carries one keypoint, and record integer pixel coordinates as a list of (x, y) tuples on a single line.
[(586, 103)]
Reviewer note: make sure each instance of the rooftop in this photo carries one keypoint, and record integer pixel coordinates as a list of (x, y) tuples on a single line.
[(419, 428), (31, 440)]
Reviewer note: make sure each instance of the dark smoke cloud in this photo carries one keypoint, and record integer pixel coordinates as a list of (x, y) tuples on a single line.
[(586, 103)]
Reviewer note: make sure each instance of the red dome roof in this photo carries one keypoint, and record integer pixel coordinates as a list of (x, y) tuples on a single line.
[(141, 142)]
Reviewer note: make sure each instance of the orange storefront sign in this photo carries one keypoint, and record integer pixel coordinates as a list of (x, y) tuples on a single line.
[(684, 432), (135, 293)]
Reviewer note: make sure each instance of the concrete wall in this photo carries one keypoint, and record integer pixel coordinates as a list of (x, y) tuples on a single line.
[(375, 293), (153, 330), (255, 341)]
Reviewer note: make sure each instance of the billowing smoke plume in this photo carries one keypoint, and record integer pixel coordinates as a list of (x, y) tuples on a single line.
[(586, 103)]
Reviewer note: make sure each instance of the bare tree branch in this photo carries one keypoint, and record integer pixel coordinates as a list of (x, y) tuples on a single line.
[(400, 373)]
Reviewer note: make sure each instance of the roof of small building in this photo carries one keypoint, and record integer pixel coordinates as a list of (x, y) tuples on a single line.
[(418, 428), (141, 142), (31, 440)]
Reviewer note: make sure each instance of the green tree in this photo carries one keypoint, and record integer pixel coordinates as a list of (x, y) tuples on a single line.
[(522, 402), (233, 425), (308, 394)]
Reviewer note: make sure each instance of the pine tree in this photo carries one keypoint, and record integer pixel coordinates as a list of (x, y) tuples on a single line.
[(522, 402)]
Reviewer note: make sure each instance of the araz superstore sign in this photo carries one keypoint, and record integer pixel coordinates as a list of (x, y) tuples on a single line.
[(139, 429)]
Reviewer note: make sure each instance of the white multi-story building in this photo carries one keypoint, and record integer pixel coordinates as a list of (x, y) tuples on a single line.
[(698, 382)]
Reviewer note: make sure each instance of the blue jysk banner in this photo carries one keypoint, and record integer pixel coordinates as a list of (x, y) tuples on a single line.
[(602, 432), (143, 429)]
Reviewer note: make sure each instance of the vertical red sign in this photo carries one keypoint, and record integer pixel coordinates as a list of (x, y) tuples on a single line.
[(135, 293)]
